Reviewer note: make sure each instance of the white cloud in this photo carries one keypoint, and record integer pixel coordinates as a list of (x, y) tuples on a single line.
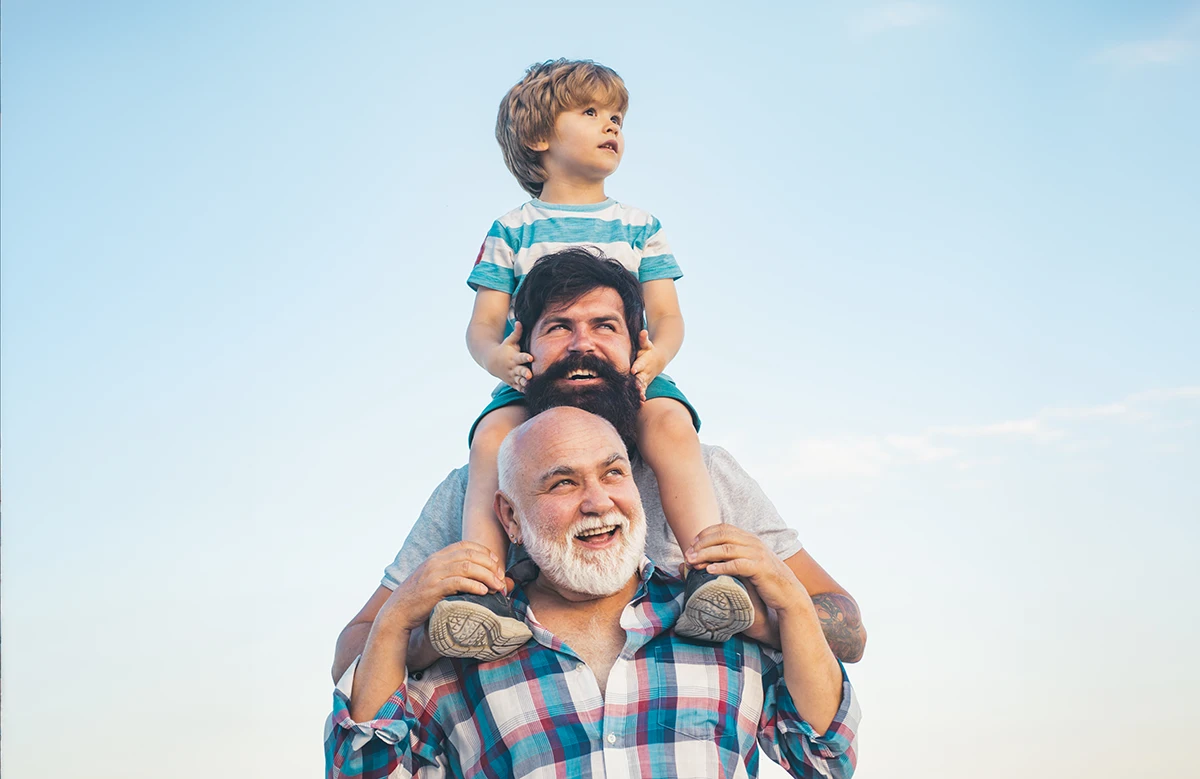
[(843, 456), (893, 16), (869, 456), (1135, 54)]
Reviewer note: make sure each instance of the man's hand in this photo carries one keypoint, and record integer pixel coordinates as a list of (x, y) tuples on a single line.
[(810, 671), (461, 567), (649, 363), (464, 567), (725, 549), (508, 363)]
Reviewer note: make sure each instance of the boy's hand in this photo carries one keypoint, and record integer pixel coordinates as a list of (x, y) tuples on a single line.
[(507, 362), (649, 363)]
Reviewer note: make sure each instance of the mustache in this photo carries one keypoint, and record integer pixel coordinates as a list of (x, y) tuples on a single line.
[(584, 362), (615, 397)]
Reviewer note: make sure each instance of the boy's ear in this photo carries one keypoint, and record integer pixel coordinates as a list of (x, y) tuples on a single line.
[(539, 146)]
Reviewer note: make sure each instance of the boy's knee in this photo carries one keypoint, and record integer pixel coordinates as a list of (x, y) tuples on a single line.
[(492, 429), (665, 418)]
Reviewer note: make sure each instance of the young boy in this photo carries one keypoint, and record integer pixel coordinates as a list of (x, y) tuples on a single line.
[(560, 131)]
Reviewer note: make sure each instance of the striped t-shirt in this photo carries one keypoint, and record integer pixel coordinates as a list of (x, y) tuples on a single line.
[(523, 236)]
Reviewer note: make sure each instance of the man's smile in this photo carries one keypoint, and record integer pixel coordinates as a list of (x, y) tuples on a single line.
[(598, 537)]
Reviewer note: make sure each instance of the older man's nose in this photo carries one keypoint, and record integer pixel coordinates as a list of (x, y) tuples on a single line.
[(596, 499)]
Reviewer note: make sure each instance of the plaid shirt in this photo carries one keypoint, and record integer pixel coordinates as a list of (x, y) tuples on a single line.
[(673, 707)]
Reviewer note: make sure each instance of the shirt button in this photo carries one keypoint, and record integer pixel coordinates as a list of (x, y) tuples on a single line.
[(579, 666), (612, 738)]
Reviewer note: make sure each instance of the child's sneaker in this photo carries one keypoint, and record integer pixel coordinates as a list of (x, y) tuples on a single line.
[(714, 607), (482, 627)]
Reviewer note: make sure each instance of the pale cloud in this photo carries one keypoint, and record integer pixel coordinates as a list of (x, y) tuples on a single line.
[(1136, 54), (1032, 427), (893, 16), (1180, 43), (843, 456), (1069, 429)]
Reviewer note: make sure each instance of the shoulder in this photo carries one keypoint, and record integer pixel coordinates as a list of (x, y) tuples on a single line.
[(523, 214), (632, 215)]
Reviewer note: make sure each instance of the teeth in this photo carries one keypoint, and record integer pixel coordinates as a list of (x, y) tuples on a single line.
[(597, 532), (580, 374)]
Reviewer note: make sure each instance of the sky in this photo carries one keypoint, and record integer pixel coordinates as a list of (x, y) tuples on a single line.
[(941, 270)]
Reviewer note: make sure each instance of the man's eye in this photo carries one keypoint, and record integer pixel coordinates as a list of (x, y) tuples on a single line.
[(616, 472), (561, 483)]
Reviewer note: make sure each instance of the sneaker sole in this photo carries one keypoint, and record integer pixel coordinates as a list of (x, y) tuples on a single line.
[(462, 629), (716, 611)]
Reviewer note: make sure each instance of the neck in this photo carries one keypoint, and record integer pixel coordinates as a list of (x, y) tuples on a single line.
[(568, 192)]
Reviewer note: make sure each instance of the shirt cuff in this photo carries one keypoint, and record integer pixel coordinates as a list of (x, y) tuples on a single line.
[(660, 266), (390, 724), (838, 739), (486, 274)]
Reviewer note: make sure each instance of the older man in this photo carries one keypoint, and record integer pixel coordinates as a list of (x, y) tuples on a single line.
[(606, 687), (579, 310)]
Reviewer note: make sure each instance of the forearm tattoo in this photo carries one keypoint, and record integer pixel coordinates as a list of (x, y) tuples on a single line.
[(842, 623)]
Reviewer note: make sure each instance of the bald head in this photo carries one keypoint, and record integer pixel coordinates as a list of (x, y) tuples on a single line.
[(567, 493), (531, 449)]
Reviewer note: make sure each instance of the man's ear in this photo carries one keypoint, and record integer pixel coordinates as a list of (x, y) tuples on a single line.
[(508, 517)]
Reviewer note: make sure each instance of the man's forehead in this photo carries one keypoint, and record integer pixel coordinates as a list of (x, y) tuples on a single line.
[(568, 439), (600, 302)]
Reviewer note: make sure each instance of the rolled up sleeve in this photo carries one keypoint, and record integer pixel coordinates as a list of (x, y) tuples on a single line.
[(795, 745), (371, 749)]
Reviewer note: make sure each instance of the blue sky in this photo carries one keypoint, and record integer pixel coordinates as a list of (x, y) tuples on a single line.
[(941, 270)]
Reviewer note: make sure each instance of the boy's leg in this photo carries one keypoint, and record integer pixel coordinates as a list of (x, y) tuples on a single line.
[(715, 607), (482, 627)]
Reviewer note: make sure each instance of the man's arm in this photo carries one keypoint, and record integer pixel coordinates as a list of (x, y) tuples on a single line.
[(353, 638), (744, 504), (836, 609), (811, 672), (370, 726)]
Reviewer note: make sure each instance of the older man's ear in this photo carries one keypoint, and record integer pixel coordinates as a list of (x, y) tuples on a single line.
[(508, 518)]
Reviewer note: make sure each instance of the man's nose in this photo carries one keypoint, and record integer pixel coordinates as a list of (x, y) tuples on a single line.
[(581, 341), (596, 499)]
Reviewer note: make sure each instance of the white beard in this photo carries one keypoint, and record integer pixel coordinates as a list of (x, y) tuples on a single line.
[(600, 572)]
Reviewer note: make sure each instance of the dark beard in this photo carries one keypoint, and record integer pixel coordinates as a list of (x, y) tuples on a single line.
[(617, 399)]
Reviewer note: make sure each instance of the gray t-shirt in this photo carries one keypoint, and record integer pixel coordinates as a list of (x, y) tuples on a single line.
[(742, 503)]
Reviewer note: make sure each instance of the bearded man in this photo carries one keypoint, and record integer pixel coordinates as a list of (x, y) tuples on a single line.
[(605, 687), (583, 312)]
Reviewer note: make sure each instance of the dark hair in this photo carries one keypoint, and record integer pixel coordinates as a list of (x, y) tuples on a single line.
[(559, 279)]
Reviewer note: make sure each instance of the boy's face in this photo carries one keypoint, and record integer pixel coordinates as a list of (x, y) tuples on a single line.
[(587, 144)]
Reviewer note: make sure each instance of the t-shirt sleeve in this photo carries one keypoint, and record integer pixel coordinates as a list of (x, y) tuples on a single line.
[(439, 526), (494, 265), (657, 260), (744, 504)]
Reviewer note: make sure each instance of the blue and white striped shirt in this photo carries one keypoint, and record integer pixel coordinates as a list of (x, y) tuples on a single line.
[(523, 236)]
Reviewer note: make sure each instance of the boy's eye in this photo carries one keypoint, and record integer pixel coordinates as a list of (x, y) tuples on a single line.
[(589, 112), (616, 118)]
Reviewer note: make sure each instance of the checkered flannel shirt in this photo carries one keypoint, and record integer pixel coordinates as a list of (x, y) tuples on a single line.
[(673, 707)]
